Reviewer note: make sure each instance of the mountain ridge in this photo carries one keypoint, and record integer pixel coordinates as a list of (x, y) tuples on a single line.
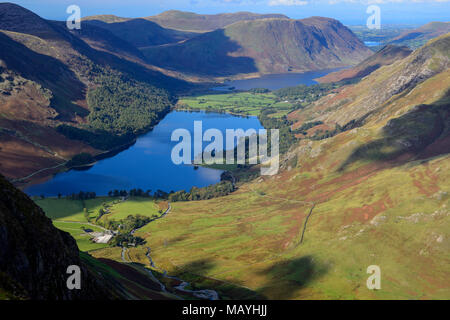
[(417, 37), (270, 45), (385, 56), (50, 72)]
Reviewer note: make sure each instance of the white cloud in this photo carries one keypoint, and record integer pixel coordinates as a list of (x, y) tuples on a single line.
[(380, 1), (287, 3)]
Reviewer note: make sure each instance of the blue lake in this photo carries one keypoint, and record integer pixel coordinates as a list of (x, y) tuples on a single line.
[(276, 81), (372, 43), (147, 164)]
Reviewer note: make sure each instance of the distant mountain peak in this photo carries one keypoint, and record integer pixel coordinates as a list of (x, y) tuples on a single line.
[(18, 19), (268, 45), (189, 21)]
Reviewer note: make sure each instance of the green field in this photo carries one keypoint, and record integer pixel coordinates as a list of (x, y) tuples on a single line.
[(68, 215), (72, 210), (82, 239), (242, 103), (134, 206)]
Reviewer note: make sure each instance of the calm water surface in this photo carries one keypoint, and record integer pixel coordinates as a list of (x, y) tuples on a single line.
[(147, 164), (276, 81)]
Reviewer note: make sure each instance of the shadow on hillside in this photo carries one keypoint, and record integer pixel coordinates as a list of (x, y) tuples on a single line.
[(141, 32), (48, 72), (196, 274), (422, 133), (287, 278), (208, 54)]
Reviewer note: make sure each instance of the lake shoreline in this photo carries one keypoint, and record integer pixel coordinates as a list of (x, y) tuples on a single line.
[(145, 163), (46, 174)]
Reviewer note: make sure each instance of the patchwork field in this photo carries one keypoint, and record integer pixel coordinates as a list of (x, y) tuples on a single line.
[(242, 103), (68, 215)]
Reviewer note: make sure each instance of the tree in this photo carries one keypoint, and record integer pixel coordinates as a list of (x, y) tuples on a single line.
[(86, 214)]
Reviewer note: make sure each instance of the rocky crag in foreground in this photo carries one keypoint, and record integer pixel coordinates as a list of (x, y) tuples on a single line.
[(34, 255)]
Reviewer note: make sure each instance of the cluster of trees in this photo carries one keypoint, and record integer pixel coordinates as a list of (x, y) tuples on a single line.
[(128, 224), (80, 159), (159, 194), (126, 240), (306, 94), (220, 189), (120, 108), (286, 136), (121, 105), (259, 90), (99, 139), (82, 195)]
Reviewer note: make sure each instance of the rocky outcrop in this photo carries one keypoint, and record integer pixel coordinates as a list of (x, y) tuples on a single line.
[(34, 255)]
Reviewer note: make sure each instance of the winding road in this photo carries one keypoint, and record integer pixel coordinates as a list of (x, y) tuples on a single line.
[(202, 294)]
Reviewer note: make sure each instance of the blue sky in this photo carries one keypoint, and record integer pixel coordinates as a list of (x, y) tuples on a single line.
[(347, 11)]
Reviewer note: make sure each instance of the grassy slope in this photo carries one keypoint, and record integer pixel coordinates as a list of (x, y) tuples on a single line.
[(418, 37), (133, 206), (82, 239), (390, 90), (68, 215), (264, 46), (373, 207), (251, 240), (386, 56)]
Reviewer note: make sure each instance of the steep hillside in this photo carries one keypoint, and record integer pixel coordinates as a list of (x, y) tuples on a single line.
[(418, 37), (264, 46), (386, 56), (142, 32), (377, 195), (101, 39), (51, 78), (34, 255), (189, 21), (393, 86)]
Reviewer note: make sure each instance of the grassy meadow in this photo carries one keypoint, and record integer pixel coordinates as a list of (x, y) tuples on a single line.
[(68, 215), (240, 103), (396, 218)]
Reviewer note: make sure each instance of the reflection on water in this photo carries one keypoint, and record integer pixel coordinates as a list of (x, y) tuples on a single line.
[(147, 164)]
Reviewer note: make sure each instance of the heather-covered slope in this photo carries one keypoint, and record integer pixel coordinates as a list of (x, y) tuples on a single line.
[(421, 78), (264, 46), (50, 77), (418, 37), (386, 56), (377, 194)]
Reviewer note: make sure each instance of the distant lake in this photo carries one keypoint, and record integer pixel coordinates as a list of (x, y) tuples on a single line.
[(372, 43), (276, 81), (147, 164)]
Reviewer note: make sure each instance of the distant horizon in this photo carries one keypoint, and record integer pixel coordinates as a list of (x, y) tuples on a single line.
[(349, 13)]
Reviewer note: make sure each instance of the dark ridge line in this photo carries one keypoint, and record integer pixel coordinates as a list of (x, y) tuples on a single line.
[(306, 221)]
